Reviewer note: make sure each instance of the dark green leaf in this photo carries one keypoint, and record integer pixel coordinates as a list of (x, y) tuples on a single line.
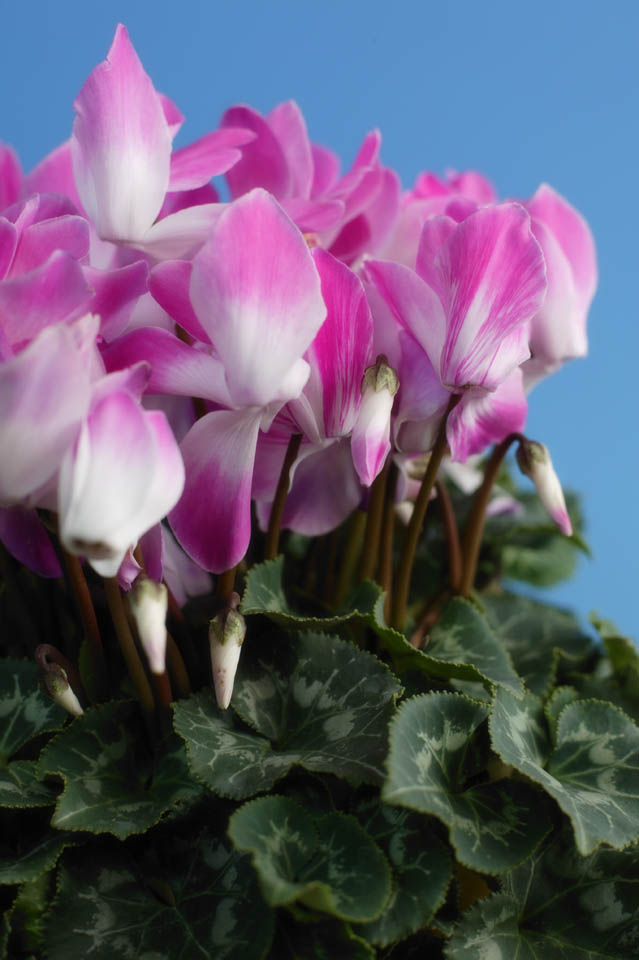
[(206, 904), (325, 939), (111, 784), (29, 859), (492, 826), (317, 702), (24, 711), (421, 867), (536, 636), (328, 864), (20, 787), (593, 771)]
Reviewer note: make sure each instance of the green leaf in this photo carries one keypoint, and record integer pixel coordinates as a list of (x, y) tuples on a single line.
[(593, 771), (326, 939), (560, 698), (315, 701), (20, 787), (489, 931), (110, 782), (492, 826), (205, 904), (29, 859), (24, 711), (536, 637), (461, 646), (27, 914), (421, 866), (328, 864), (623, 655)]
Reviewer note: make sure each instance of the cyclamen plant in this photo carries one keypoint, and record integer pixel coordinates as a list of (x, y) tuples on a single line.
[(267, 693)]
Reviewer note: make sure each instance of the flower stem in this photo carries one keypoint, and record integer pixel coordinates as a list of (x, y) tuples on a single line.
[(127, 646), (277, 508), (452, 536), (177, 667), (475, 524), (402, 578), (225, 586), (352, 548), (79, 588), (385, 573), (370, 550)]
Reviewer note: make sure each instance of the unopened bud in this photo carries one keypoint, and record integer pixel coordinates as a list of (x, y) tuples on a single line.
[(534, 462), (370, 442), (54, 682), (149, 603), (226, 636), (380, 377)]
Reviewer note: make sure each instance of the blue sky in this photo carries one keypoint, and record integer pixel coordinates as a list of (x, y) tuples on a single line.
[(524, 92)]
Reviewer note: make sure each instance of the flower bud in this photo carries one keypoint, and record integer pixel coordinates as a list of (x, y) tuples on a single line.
[(534, 462), (149, 603), (226, 635), (54, 682), (370, 441)]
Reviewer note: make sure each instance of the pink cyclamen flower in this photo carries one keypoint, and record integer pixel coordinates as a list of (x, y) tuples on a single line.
[(476, 286), (122, 156), (256, 294)]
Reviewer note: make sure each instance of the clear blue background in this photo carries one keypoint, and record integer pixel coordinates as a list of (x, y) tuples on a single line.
[(524, 92)]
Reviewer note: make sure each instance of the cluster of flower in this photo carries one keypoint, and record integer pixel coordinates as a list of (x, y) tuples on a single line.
[(159, 347)]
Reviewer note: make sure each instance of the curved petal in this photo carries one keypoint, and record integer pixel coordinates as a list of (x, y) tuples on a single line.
[(478, 421), (263, 162), (325, 169), (342, 349), (8, 244), (40, 240), (181, 234), (10, 176), (212, 521), (169, 285), (121, 145), (53, 292), (125, 474), (214, 153), (256, 291), (24, 536), (422, 400), (44, 394), (54, 174), (288, 124), (115, 294), (495, 276), (176, 368)]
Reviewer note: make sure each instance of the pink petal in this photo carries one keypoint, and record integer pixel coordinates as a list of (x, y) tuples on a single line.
[(473, 185), (53, 292), (263, 162), (314, 215), (182, 199), (124, 476), (172, 114), (153, 551), (342, 349), (478, 421), (256, 291), (115, 294), (8, 244), (25, 537), (288, 124), (325, 490), (121, 145), (10, 176), (40, 240), (370, 442), (325, 169), (54, 174), (176, 368), (496, 281), (214, 153), (169, 285), (181, 234), (44, 393), (183, 576), (422, 400), (212, 521)]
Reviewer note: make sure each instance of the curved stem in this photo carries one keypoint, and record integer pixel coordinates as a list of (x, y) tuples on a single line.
[(352, 548), (46, 653), (452, 536), (79, 588), (225, 586), (277, 508), (402, 579), (385, 573), (127, 646), (177, 667), (370, 550), (475, 524)]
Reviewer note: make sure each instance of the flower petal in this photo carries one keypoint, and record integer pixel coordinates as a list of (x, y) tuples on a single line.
[(256, 291), (214, 153), (121, 145), (24, 536), (10, 176), (478, 421), (263, 162), (212, 521), (169, 285), (288, 124)]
